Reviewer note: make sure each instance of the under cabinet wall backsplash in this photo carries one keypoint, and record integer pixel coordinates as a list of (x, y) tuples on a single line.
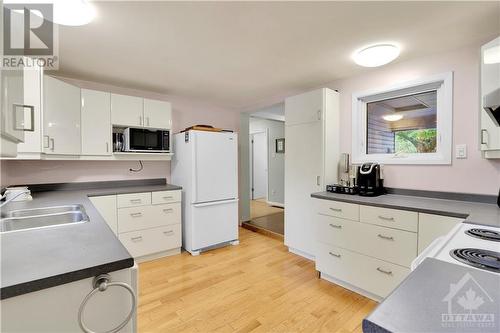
[(38, 172)]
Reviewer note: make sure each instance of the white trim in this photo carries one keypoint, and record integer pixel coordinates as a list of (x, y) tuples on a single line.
[(302, 253), (276, 204), (351, 287), (443, 83)]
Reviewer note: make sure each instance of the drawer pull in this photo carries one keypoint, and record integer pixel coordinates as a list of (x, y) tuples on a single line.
[(169, 232), (335, 255), (386, 237), (336, 209), (168, 198), (381, 270), (335, 226), (386, 218), (135, 200), (138, 238), (168, 210), (136, 214)]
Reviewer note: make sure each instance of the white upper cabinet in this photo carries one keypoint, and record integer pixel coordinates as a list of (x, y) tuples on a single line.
[(12, 122), (127, 110), (304, 108), (96, 122), (33, 96), (490, 81), (61, 113), (157, 114)]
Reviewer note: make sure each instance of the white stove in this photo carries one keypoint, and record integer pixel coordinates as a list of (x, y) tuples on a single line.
[(471, 245)]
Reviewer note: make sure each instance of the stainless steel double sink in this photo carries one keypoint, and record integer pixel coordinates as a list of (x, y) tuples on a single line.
[(36, 218)]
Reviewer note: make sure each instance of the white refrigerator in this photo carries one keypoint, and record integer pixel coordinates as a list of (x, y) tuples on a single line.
[(205, 164)]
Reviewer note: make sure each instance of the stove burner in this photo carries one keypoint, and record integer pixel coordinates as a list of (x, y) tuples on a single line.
[(485, 234), (483, 259)]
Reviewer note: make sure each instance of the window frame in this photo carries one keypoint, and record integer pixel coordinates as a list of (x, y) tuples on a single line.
[(442, 84)]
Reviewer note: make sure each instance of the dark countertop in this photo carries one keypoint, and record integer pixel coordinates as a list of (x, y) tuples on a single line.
[(472, 212), (420, 303), (36, 259)]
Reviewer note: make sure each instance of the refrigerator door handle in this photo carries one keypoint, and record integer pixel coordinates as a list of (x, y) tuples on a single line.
[(213, 203)]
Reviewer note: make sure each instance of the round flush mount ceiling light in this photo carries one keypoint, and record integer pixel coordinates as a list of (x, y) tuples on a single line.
[(376, 55), (393, 117), (65, 12)]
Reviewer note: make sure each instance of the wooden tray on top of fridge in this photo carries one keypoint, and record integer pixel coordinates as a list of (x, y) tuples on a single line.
[(207, 128)]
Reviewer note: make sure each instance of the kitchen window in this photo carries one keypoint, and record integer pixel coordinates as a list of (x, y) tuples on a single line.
[(406, 124)]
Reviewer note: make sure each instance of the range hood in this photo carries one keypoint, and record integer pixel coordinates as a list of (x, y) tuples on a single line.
[(491, 104)]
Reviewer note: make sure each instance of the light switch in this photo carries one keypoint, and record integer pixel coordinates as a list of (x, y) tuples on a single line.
[(461, 151)]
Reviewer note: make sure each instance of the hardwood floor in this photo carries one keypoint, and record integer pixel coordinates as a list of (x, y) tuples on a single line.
[(257, 286)]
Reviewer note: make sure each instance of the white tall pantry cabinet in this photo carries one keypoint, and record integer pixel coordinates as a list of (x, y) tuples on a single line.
[(311, 162)]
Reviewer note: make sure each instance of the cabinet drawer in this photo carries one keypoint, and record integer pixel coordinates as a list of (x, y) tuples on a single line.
[(392, 245), (338, 209), (145, 217), (392, 218), (134, 199), (144, 242), (373, 275), (162, 197)]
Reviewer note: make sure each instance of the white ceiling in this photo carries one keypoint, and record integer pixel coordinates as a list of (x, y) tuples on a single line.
[(237, 54)]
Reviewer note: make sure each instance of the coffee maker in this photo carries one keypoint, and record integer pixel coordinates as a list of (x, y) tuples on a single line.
[(370, 183)]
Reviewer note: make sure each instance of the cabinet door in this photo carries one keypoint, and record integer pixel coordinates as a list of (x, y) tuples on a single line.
[(157, 114), (304, 108), (490, 81), (127, 110), (303, 176), (106, 206), (12, 122), (61, 117), (33, 97), (96, 122), (431, 227)]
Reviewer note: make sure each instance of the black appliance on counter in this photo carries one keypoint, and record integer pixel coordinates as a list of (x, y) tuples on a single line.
[(370, 184)]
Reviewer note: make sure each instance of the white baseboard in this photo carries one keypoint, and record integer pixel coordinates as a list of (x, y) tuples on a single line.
[(158, 255), (277, 204), (351, 287), (302, 254)]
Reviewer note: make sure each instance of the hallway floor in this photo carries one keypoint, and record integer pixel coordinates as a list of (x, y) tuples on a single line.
[(266, 218)]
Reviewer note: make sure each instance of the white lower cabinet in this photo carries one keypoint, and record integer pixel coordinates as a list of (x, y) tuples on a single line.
[(147, 228), (370, 249)]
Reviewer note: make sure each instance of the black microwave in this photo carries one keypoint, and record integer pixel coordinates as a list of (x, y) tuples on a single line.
[(146, 140)]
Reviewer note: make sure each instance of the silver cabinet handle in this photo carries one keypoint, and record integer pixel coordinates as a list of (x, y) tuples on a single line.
[(334, 255), (318, 180), (483, 141), (386, 237), (107, 147), (336, 209), (319, 114), (138, 214), (46, 142), (168, 210), (140, 120), (168, 198), (386, 218), (138, 238), (335, 226), (135, 200), (53, 143), (381, 270), (147, 119), (169, 232)]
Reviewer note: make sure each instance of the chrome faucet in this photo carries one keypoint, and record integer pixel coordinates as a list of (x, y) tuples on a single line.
[(10, 199)]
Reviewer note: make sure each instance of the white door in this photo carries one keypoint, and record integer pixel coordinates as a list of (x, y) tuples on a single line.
[(157, 114), (259, 165), (33, 96), (304, 108), (61, 117), (12, 99), (303, 176), (96, 122), (215, 166), (127, 110)]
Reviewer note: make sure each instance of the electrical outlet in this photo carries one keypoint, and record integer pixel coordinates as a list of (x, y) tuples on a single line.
[(461, 151)]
